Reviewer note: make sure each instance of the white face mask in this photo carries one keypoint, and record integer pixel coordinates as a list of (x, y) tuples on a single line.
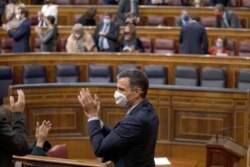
[(18, 17), (120, 99), (218, 44), (106, 21)]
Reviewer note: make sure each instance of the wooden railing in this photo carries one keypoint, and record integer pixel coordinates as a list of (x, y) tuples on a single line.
[(189, 116)]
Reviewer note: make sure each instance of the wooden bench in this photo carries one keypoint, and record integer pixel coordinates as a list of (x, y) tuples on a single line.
[(188, 116)]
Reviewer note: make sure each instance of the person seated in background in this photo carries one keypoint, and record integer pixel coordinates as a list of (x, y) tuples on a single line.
[(41, 146), (21, 34), (226, 18), (106, 34), (130, 42), (12, 15), (190, 2), (48, 39), (88, 18), (109, 2), (13, 135), (219, 49), (125, 10), (80, 40), (48, 9), (2, 8), (184, 19), (223, 2)]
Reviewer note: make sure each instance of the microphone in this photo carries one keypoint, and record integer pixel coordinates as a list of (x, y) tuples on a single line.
[(222, 130)]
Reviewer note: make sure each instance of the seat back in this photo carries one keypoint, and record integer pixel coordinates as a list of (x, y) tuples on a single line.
[(100, 73), (82, 2), (156, 74), (244, 49), (231, 46), (5, 81), (186, 76), (147, 44), (153, 20), (63, 2), (213, 77), (61, 44), (34, 74), (123, 67), (67, 73), (6, 45), (164, 46), (58, 151), (175, 2), (245, 3), (37, 47), (208, 21), (244, 79)]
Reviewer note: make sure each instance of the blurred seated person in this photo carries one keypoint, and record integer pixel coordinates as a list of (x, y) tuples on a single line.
[(127, 9), (48, 38), (12, 15), (223, 2), (48, 9), (2, 7), (226, 18), (130, 42), (184, 19), (219, 49), (109, 2), (106, 34), (189, 2), (80, 41), (88, 18)]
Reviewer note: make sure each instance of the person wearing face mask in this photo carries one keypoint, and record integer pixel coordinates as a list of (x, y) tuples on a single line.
[(21, 35), (12, 16), (80, 41), (184, 19), (48, 9), (106, 35), (48, 39), (226, 18), (132, 141), (130, 42), (219, 49)]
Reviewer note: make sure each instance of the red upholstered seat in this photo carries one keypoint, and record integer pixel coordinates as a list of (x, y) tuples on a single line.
[(61, 44), (63, 2), (244, 49), (37, 46), (208, 21), (164, 46), (6, 45), (82, 2), (58, 151), (147, 44), (153, 20), (245, 3)]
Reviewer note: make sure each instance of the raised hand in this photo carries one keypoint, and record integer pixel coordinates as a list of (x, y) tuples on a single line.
[(42, 132), (19, 105)]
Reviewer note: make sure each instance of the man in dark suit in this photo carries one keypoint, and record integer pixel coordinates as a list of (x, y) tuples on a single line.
[(22, 34), (131, 143), (193, 38), (13, 135), (226, 18), (127, 10), (106, 35), (224, 2)]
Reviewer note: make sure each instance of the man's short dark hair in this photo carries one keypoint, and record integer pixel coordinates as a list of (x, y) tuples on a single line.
[(108, 14), (196, 18), (137, 79), (220, 7), (25, 11)]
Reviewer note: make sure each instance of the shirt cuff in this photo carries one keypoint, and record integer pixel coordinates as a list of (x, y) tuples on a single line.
[(96, 118)]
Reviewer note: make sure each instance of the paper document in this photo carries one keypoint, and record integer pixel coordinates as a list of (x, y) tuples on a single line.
[(162, 161)]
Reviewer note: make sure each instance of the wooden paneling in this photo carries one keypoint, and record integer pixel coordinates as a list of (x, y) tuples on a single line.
[(66, 16), (184, 127)]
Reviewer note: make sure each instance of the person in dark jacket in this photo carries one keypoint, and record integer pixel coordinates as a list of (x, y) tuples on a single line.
[(193, 38), (13, 134), (2, 8), (223, 2), (48, 39), (88, 18)]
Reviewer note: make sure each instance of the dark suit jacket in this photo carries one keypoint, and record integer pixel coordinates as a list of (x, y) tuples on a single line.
[(131, 143), (49, 40), (112, 36), (193, 39), (2, 7), (232, 20), (21, 37), (224, 2), (13, 138), (34, 150), (123, 8)]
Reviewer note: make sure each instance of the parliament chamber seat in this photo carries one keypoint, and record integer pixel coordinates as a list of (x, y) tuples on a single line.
[(147, 44), (186, 76), (61, 44), (244, 79), (208, 21), (244, 48), (5, 81), (231, 46), (213, 77), (164, 46), (100, 73), (246, 3), (153, 20), (37, 45), (63, 2), (157, 75), (6, 45), (58, 151), (82, 2), (34, 74), (67, 73)]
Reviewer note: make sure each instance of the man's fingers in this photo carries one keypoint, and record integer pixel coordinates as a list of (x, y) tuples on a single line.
[(12, 102)]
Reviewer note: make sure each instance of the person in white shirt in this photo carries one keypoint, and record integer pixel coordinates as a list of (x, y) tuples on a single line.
[(48, 9)]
